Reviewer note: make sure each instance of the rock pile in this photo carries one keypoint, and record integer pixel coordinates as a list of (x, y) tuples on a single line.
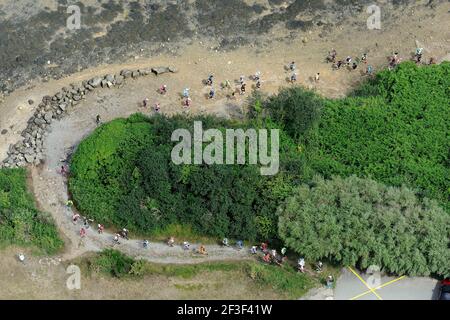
[(31, 150)]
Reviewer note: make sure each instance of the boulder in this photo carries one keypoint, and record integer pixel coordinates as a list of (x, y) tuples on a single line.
[(95, 82), (29, 158), (39, 121), (119, 79), (48, 117), (110, 78), (125, 73), (160, 70)]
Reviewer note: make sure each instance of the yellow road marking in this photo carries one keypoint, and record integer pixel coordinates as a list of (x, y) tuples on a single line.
[(362, 280), (379, 287)]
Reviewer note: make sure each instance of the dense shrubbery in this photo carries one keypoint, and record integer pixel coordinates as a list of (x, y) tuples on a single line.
[(395, 131), (361, 222), (20, 222), (123, 175), (295, 109)]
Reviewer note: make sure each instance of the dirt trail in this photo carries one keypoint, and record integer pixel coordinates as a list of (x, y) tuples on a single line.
[(194, 64)]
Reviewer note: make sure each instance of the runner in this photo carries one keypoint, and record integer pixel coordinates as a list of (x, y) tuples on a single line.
[(98, 120), (319, 266), (330, 281), (240, 244), (243, 88), (226, 84), (145, 102), (145, 244), (82, 232), (253, 250), (348, 60), (86, 221), (293, 77), (209, 81), (186, 245), (274, 253), (225, 242), (202, 250), (69, 204), (317, 77), (124, 233), (100, 228), (21, 257), (186, 93), (75, 218), (157, 107), (301, 265), (364, 58), (264, 247), (171, 242), (116, 239), (163, 89), (211, 93), (187, 102), (292, 66)]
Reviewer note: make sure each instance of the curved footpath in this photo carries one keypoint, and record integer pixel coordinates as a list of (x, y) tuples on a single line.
[(46, 141)]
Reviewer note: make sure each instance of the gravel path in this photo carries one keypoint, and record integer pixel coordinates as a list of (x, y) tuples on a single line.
[(50, 187)]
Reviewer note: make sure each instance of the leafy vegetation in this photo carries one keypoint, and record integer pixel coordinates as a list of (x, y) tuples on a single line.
[(391, 132), (123, 175), (395, 130), (360, 222), (20, 222)]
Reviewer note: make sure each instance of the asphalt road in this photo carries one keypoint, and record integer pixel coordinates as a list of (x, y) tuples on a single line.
[(349, 286)]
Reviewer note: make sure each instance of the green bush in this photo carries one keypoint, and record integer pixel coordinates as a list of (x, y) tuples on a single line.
[(295, 109), (394, 130), (114, 263), (20, 222), (123, 175), (360, 222)]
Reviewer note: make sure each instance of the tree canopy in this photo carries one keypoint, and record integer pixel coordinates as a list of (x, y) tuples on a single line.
[(361, 222)]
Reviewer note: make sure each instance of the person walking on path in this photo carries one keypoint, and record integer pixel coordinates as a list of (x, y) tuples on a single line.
[(211, 93), (186, 93)]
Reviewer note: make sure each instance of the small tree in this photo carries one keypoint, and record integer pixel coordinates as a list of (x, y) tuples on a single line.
[(296, 109), (360, 222)]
